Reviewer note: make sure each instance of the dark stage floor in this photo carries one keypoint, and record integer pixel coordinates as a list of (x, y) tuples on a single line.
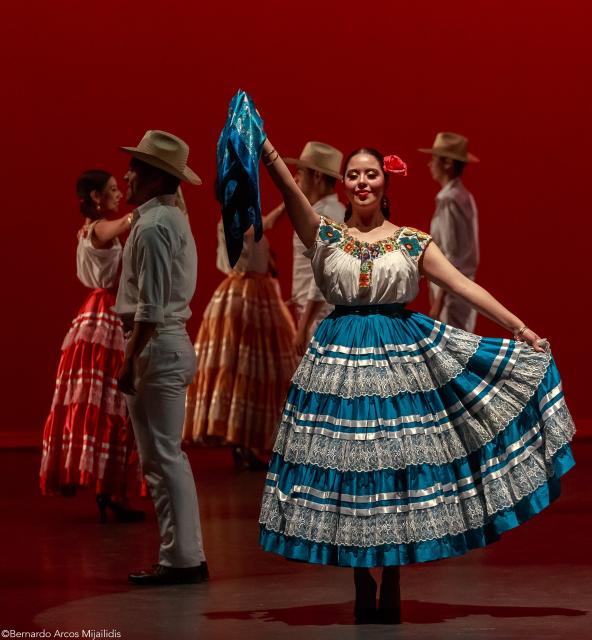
[(62, 570)]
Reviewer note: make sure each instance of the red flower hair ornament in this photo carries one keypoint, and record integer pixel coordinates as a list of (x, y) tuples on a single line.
[(394, 164)]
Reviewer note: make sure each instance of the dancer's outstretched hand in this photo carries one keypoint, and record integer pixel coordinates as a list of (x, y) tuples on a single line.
[(535, 341)]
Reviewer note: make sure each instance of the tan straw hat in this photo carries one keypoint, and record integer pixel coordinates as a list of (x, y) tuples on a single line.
[(321, 157), (165, 151), (451, 145)]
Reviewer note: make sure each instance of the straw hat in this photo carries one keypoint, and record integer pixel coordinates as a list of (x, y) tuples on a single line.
[(319, 156), (165, 151), (451, 145)]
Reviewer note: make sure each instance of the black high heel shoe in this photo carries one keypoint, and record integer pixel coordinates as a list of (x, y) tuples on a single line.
[(389, 603), (365, 606), (121, 513)]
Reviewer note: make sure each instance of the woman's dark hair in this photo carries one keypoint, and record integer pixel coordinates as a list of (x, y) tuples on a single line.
[(89, 181), (385, 205)]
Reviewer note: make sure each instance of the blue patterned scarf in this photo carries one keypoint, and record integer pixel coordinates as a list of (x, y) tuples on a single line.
[(237, 183)]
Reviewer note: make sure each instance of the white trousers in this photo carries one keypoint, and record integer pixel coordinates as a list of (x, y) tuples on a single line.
[(165, 368)]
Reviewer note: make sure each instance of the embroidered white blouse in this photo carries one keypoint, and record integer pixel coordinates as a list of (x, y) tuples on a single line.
[(97, 268), (352, 272)]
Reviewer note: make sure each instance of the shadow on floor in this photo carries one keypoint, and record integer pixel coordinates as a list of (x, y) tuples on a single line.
[(413, 612)]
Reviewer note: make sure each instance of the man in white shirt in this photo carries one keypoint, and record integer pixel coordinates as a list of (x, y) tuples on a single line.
[(318, 169), (157, 283), (455, 225)]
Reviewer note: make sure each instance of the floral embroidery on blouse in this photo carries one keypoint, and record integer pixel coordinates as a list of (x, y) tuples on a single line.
[(329, 233), (412, 240), (412, 245), (367, 252)]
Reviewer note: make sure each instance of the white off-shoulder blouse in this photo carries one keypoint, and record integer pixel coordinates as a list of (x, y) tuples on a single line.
[(351, 272), (97, 268)]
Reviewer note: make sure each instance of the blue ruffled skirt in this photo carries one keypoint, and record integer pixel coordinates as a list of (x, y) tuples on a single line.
[(406, 440)]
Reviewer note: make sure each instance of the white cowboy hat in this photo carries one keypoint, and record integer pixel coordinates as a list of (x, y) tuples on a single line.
[(165, 151), (451, 145), (321, 157)]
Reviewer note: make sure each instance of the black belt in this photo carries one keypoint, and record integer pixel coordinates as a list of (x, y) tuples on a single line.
[(368, 309)]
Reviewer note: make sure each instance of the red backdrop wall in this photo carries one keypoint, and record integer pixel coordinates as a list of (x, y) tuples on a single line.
[(81, 78)]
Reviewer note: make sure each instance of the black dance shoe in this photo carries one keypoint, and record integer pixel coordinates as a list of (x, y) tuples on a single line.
[(121, 513), (389, 603), (365, 605), (161, 575)]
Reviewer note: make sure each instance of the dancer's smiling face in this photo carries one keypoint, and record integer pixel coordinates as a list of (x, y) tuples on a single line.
[(111, 196), (364, 181)]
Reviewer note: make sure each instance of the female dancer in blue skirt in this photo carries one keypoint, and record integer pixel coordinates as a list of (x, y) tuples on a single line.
[(403, 439)]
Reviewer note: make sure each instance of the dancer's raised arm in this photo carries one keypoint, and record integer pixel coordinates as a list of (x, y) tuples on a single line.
[(437, 268), (303, 217), (104, 231)]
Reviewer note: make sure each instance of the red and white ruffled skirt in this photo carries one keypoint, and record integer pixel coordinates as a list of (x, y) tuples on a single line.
[(87, 437)]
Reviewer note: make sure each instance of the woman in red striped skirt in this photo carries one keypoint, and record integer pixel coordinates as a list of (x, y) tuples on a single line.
[(87, 437)]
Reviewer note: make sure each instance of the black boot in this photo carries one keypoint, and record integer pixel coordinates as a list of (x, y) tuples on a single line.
[(365, 606), (389, 604), (121, 513)]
